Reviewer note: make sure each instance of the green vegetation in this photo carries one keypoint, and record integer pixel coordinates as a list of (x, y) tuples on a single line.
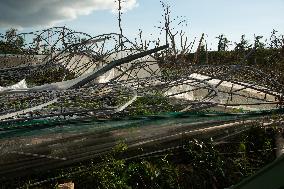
[(268, 57), (12, 44), (40, 77), (196, 164), (49, 75), (158, 103)]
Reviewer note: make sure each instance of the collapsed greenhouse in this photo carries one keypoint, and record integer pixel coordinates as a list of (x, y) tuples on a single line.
[(100, 92)]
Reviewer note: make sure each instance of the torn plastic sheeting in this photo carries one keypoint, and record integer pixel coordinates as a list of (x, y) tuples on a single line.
[(22, 85)]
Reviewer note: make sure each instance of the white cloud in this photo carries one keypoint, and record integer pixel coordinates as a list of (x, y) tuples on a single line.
[(28, 13)]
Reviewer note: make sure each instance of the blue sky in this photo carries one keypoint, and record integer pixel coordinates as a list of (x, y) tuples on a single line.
[(230, 17)]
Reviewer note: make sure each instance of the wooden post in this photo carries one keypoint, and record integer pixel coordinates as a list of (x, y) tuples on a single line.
[(196, 55)]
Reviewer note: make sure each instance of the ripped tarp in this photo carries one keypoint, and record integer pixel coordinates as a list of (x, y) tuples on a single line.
[(96, 74), (22, 85)]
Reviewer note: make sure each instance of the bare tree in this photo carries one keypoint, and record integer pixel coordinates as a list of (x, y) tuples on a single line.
[(119, 22)]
